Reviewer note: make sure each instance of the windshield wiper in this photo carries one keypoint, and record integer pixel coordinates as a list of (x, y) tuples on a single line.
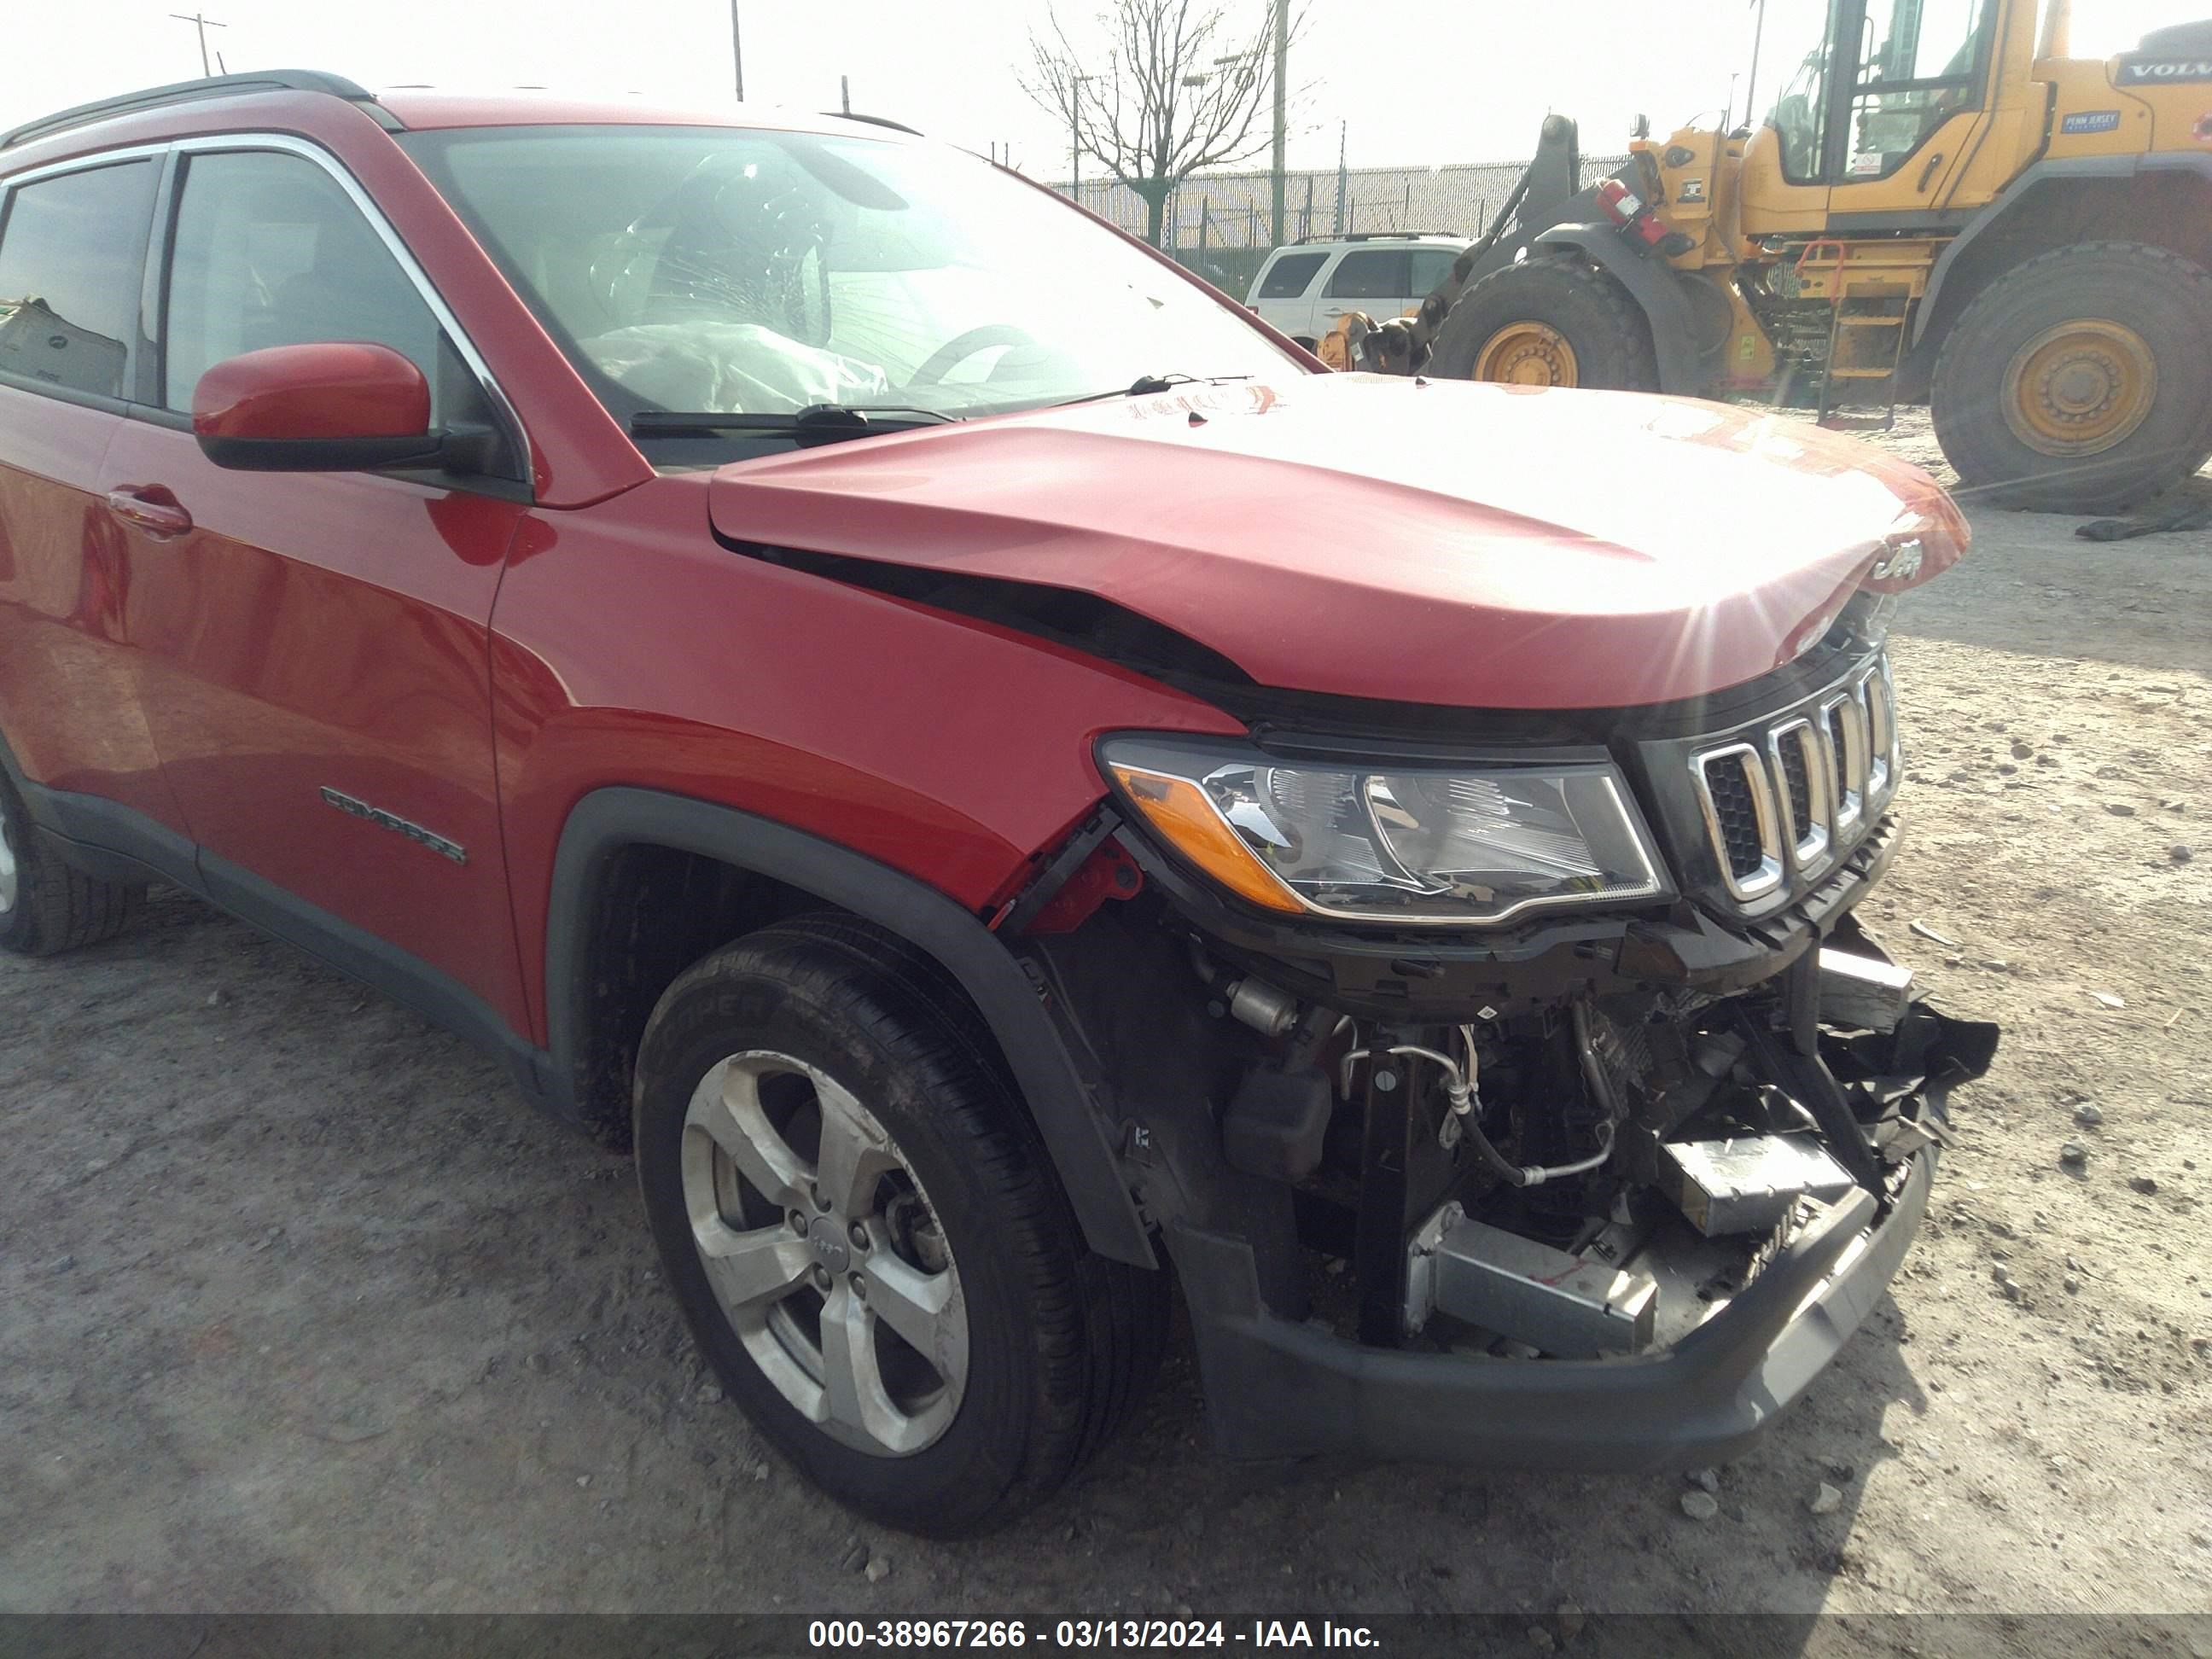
[(1145, 385), (816, 424)]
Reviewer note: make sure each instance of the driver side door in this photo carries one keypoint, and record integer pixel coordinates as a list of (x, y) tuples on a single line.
[(1909, 116), (316, 644)]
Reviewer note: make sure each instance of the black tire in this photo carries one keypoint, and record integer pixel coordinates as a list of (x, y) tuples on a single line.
[(2165, 300), (1603, 325), (1061, 1344), (45, 906)]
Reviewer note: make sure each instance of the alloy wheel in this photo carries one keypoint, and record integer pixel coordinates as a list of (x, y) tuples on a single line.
[(824, 1253)]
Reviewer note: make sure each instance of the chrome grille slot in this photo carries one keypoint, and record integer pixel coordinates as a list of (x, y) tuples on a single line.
[(1844, 722), (1742, 817), (1880, 700), (1801, 760), (1832, 737)]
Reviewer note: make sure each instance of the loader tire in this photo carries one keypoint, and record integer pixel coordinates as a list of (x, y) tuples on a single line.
[(2076, 383), (1551, 320)]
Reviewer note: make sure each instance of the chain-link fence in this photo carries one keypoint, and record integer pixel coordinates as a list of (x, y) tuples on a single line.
[(1222, 225)]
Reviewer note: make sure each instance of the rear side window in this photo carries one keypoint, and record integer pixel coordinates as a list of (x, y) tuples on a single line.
[(270, 250), (1287, 277), (1372, 273), (72, 258), (1430, 266)]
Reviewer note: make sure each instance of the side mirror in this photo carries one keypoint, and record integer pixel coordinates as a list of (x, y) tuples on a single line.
[(332, 407)]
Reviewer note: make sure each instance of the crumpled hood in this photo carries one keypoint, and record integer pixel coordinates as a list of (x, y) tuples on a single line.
[(1444, 543)]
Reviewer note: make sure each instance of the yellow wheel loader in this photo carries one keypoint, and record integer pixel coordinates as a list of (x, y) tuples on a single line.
[(1941, 207)]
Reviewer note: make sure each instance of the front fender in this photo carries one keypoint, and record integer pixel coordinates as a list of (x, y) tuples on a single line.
[(2018, 200), (608, 820)]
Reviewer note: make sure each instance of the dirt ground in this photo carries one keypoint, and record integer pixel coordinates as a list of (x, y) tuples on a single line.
[(301, 1309)]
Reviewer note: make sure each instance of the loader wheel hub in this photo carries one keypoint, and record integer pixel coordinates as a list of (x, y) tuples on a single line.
[(2080, 388), (1527, 354)]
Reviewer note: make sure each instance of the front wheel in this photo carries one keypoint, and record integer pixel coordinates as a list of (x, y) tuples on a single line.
[(1548, 321), (866, 1237), (2076, 383)]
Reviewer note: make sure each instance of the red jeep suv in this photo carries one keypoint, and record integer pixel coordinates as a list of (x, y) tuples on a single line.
[(1005, 785)]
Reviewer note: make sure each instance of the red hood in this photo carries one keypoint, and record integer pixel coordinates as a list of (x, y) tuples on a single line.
[(1447, 543)]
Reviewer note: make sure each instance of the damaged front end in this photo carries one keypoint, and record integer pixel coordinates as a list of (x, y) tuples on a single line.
[(1601, 1186)]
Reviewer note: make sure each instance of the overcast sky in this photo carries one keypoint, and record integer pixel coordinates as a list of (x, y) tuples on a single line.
[(1469, 81)]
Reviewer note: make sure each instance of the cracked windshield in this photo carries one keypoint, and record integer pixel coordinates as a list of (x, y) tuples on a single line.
[(765, 272)]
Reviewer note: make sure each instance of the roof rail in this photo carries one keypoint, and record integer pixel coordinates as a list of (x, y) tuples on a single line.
[(213, 86), (873, 121), (1380, 236)]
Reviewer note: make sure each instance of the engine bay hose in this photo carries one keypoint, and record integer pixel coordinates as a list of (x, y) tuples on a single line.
[(1460, 1077)]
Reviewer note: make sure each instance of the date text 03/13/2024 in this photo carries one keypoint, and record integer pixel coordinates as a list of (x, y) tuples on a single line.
[(974, 1634)]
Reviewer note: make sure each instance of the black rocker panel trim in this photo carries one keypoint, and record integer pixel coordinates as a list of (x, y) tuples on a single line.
[(114, 842)]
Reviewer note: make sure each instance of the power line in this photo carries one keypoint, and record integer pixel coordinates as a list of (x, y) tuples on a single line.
[(204, 24)]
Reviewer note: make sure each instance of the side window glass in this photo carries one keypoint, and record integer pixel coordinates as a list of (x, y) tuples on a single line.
[(1371, 273), (1918, 71), (1800, 119), (71, 255), (269, 251), (1430, 266), (1288, 277)]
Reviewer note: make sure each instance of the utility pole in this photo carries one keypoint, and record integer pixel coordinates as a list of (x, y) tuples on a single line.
[(844, 92), (736, 51), (1342, 177), (1282, 105), (204, 24), (1075, 135)]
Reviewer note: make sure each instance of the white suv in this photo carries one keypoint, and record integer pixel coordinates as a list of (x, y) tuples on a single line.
[(1304, 288)]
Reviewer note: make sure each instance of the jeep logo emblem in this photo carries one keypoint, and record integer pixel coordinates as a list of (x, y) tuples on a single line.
[(826, 1237), (1903, 564)]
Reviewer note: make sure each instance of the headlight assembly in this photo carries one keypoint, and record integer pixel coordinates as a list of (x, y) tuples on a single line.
[(1396, 843)]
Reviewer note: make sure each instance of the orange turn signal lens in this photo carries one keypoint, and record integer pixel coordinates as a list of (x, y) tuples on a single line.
[(1179, 809)]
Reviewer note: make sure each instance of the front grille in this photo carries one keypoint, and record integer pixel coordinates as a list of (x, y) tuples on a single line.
[(1799, 782), (1839, 749), (1785, 799), (1736, 809)]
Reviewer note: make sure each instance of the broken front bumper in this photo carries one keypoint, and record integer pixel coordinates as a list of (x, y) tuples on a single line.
[(1278, 1389)]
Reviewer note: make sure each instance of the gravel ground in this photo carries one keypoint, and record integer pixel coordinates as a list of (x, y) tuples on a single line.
[(301, 1309)]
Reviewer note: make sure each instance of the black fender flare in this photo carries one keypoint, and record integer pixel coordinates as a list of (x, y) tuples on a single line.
[(1657, 292), (1063, 1107), (2015, 198)]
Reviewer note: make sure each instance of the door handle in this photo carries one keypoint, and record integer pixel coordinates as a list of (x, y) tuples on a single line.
[(1333, 311), (151, 509), (1928, 173)]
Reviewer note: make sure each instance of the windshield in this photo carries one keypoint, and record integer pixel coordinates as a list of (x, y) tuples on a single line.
[(1792, 61), (1915, 64), (715, 270)]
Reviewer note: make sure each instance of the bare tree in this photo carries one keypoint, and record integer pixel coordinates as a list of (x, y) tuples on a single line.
[(1182, 85)]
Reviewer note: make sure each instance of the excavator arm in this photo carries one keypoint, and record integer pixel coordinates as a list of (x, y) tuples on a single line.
[(1548, 208)]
